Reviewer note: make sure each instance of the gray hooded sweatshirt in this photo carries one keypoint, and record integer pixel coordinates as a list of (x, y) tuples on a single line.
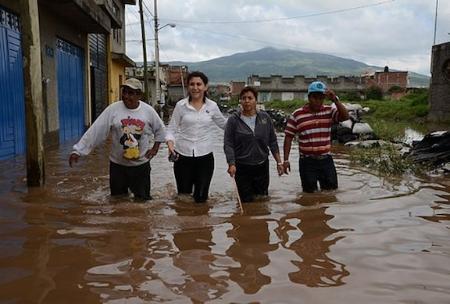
[(243, 146)]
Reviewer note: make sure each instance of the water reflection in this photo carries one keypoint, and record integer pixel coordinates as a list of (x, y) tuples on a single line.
[(307, 233), (193, 241), (196, 261), (29, 255), (250, 249)]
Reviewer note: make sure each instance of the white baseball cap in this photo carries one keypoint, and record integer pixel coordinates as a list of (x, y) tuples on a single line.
[(133, 83)]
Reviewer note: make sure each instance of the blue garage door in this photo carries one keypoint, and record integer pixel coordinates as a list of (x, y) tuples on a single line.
[(70, 91), (12, 107)]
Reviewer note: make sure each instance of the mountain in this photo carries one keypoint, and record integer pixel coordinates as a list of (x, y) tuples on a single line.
[(272, 61)]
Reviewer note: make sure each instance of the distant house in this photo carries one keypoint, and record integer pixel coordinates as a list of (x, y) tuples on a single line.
[(277, 87), (219, 91), (172, 80), (387, 79), (176, 83), (236, 87)]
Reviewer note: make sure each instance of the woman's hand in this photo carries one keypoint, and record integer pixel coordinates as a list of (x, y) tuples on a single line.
[(280, 169), (171, 147), (231, 170), (286, 167)]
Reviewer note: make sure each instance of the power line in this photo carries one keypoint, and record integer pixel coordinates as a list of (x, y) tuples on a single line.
[(139, 40), (338, 11), (272, 20), (146, 7)]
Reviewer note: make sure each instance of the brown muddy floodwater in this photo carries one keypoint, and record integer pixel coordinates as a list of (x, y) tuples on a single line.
[(372, 241)]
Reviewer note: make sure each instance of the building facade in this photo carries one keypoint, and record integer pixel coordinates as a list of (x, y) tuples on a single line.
[(277, 87), (118, 61), (176, 83), (65, 59)]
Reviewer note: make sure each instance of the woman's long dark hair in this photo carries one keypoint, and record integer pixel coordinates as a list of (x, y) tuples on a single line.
[(197, 74)]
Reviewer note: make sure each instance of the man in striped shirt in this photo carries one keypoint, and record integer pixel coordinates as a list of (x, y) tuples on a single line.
[(312, 123)]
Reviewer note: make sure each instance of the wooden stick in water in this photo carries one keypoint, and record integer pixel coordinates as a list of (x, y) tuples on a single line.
[(238, 197)]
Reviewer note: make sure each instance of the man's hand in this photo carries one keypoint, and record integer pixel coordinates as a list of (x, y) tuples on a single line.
[(73, 158), (152, 152), (231, 170), (331, 95), (286, 167)]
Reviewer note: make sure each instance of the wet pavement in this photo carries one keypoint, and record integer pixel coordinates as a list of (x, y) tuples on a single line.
[(373, 241)]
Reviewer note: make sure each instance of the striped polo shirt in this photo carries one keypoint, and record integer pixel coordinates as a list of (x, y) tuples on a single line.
[(313, 129)]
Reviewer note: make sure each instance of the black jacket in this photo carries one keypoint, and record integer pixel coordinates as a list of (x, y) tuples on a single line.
[(243, 146)]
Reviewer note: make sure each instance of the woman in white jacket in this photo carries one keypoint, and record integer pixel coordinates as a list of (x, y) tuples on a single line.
[(189, 138)]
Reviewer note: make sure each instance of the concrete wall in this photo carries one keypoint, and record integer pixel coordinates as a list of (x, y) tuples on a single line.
[(440, 83), (52, 28), (117, 35), (277, 87), (118, 77)]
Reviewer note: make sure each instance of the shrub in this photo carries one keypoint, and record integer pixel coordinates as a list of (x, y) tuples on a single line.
[(350, 96), (374, 93), (395, 89)]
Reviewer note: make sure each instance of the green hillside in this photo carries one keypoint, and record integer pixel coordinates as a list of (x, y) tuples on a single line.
[(271, 61)]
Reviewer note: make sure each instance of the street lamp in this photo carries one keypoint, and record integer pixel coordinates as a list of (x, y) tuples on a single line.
[(157, 29)]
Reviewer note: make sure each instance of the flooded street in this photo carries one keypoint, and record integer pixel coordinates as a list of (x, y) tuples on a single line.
[(372, 241)]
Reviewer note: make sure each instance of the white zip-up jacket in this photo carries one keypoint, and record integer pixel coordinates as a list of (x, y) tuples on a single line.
[(131, 131)]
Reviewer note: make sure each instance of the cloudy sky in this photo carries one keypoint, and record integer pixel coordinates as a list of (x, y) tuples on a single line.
[(397, 33)]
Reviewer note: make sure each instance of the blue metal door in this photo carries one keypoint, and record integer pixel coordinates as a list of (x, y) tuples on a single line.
[(12, 105), (70, 91)]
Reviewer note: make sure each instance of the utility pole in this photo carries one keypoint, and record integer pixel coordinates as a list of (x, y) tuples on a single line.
[(158, 85), (144, 50), (435, 22), (34, 114)]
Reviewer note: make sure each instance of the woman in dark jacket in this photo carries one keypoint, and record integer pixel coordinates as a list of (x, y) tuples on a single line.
[(249, 135)]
